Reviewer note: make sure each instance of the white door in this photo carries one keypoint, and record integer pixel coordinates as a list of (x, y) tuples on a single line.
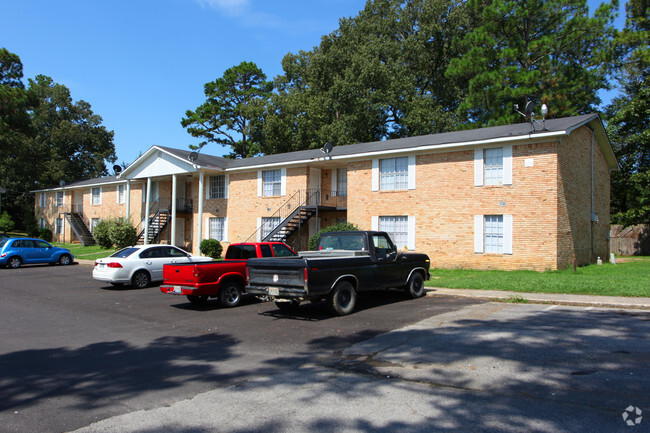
[(180, 232)]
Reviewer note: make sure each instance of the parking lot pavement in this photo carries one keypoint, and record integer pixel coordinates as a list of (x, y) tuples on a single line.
[(482, 367)]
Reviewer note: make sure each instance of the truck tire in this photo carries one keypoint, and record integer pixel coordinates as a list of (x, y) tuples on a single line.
[(198, 299), (343, 299), (230, 293), (415, 286)]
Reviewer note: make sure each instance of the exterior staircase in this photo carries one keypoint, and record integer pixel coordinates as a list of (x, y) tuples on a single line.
[(156, 225), (291, 224), (80, 228)]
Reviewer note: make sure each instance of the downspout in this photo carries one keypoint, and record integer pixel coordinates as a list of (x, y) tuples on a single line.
[(200, 228), (593, 217)]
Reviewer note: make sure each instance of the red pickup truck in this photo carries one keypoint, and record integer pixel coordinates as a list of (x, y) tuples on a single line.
[(219, 279)]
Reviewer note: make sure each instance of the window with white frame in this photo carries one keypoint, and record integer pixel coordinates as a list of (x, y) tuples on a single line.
[(96, 196), (60, 198), (271, 182), (43, 199), (217, 228), (397, 228), (342, 182), (493, 166), (42, 223), (58, 226), (121, 194), (268, 224), (393, 174), (217, 187), (493, 234)]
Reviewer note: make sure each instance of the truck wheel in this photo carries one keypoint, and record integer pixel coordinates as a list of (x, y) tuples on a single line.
[(140, 279), (198, 300), (230, 294), (343, 299), (415, 286), (288, 306)]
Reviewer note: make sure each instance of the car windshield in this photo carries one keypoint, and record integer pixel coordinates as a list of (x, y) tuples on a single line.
[(124, 253)]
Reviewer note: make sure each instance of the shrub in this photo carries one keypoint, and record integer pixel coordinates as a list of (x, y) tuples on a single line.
[(6, 224), (44, 233), (122, 234), (211, 248), (338, 227), (102, 235)]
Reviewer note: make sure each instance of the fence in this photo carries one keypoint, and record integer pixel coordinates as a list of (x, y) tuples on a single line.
[(630, 241)]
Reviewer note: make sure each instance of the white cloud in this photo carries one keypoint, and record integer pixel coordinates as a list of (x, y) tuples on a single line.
[(230, 7)]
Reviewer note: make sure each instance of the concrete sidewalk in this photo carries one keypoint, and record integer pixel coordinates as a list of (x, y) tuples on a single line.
[(547, 298)]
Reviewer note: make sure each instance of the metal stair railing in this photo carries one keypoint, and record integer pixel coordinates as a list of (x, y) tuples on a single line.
[(77, 221), (159, 207)]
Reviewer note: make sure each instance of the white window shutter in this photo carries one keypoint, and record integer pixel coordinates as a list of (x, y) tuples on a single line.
[(335, 179), (225, 229), (259, 183), (259, 229), (412, 172), (283, 183), (206, 230), (507, 165), (117, 194), (227, 185), (411, 232), (507, 234), (375, 175), (478, 234), (207, 187), (374, 225), (478, 167)]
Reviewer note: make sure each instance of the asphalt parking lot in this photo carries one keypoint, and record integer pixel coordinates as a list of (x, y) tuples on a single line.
[(78, 355)]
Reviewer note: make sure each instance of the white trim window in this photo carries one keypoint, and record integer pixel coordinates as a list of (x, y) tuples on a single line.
[(493, 166), (271, 183), (342, 182), (43, 202), (96, 196), (400, 228), (60, 198), (121, 194), (58, 226), (393, 174), (216, 227), (268, 224), (493, 234), (217, 187)]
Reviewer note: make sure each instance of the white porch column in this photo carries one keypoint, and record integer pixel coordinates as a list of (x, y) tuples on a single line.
[(128, 200), (147, 204), (174, 209), (201, 189)]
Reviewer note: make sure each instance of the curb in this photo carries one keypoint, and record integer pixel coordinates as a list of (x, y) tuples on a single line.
[(613, 302)]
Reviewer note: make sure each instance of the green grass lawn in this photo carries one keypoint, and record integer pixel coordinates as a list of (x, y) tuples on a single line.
[(86, 253), (629, 278)]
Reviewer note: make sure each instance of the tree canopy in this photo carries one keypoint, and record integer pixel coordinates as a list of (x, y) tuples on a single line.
[(233, 105), (45, 136)]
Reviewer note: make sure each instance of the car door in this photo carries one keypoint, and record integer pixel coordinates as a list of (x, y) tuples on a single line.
[(26, 250), (154, 259), (42, 251), (387, 269)]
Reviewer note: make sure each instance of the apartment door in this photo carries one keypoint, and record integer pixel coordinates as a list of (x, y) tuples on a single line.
[(314, 186), (179, 238)]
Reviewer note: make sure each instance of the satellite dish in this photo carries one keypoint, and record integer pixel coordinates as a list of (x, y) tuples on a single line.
[(117, 169), (193, 156), (327, 149), (62, 182), (529, 108)]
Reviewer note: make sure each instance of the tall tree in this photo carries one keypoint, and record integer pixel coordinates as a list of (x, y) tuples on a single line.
[(233, 106), (14, 101), (629, 115), (547, 51), (379, 75)]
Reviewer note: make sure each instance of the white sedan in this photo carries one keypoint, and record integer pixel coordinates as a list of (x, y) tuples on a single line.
[(139, 265)]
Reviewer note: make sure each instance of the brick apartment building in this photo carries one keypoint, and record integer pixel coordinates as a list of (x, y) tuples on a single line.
[(519, 196)]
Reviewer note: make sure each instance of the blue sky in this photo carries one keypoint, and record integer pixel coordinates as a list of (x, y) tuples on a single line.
[(142, 63)]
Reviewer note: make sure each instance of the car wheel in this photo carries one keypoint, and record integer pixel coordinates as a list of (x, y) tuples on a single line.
[(343, 299), (14, 262), (288, 306), (415, 286), (141, 279), (198, 300), (65, 259), (230, 294)]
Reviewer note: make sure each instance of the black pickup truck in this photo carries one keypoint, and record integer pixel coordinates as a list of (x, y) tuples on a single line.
[(344, 264)]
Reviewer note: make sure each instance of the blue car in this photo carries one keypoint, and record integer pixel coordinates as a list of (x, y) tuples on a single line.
[(17, 251)]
